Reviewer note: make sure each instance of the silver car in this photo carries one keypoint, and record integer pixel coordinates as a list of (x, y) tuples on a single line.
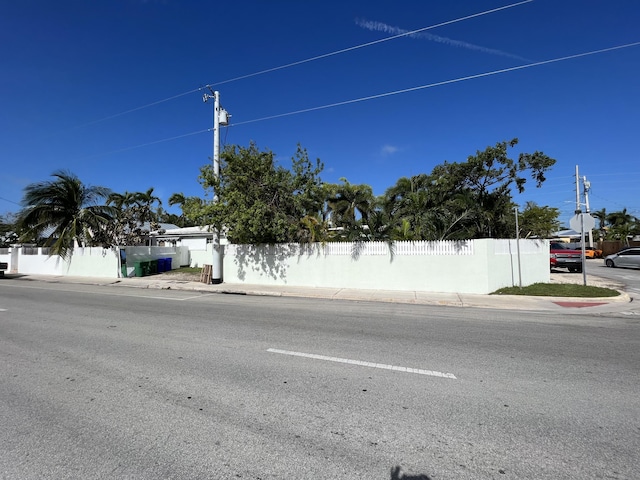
[(629, 257)]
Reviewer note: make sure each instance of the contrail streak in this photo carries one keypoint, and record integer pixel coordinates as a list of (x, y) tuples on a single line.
[(387, 94), (383, 27), (300, 62), (445, 82)]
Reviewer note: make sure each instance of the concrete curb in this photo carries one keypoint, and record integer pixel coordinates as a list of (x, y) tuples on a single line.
[(509, 302)]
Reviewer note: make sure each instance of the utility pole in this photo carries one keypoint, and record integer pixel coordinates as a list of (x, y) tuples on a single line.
[(578, 207), (586, 184), (220, 117), (581, 217), (518, 248)]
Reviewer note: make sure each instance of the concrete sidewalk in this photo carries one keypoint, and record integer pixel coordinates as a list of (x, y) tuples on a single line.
[(620, 304)]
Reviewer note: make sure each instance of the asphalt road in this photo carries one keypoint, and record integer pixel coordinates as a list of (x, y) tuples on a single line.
[(630, 277), (111, 382)]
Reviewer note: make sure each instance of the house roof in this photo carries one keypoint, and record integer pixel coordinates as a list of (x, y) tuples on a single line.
[(567, 233), (203, 231)]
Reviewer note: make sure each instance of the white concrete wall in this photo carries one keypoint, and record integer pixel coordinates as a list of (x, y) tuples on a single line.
[(5, 257), (194, 243), (89, 262), (475, 266), (199, 257), (85, 262)]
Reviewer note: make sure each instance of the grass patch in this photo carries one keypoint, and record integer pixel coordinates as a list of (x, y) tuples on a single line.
[(558, 290)]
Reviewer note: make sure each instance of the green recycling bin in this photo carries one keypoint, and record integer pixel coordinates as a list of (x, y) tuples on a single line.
[(145, 268), (153, 267), (138, 269)]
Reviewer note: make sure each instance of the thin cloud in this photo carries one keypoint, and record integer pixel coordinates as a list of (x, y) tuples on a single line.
[(383, 27), (388, 150)]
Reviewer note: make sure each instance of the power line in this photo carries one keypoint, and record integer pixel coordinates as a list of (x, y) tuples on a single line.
[(438, 84), (387, 94), (146, 144), (368, 44), (10, 201), (300, 62)]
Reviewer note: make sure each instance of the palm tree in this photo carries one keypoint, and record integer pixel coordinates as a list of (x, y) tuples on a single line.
[(121, 200), (178, 199), (145, 201), (622, 225), (601, 215), (349, 199), (69, 208)]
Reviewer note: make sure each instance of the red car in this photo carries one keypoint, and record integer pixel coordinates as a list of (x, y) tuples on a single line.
[(563, 256)]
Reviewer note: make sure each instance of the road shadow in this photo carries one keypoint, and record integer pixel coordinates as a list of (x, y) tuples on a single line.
[(10, 276), (398, 474)]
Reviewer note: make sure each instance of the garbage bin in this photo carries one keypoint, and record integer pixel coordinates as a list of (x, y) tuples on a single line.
[(138, 269), (153, 267), (123, 270), (161, 265), (167, 264), (145, 268)]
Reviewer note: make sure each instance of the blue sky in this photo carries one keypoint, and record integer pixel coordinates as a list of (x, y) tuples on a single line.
[(75, 74)]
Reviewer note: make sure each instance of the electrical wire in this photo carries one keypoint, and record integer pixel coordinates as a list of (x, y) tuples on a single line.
[(387, 94), (438, 84), (133, 147), (10, 201), (300, 62), (368, 44)]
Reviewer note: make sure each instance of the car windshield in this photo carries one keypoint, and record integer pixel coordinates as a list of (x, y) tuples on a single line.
[(559, 246)]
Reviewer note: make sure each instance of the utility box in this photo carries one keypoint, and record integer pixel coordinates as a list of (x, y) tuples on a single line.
[(223, 117)]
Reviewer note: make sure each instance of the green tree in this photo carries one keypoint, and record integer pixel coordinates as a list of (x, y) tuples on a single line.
[(537, 221), (477, 194), (181, 200), (261, 202), (147, 205), (623, 225), (350, 207), (66, 209), (8, 230), (138, 213), (410, 208), (601, 216)]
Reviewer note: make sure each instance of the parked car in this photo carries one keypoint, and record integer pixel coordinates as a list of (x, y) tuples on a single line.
[(592, 252), (563, 256), (628, 257)]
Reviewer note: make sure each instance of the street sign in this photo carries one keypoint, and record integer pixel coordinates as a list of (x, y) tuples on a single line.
[(576, 223)]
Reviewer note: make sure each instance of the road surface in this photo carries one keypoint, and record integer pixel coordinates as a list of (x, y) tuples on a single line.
[(112, 382)]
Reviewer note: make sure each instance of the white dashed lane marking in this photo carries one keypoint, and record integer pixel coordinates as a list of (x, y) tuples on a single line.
[(361, 363)]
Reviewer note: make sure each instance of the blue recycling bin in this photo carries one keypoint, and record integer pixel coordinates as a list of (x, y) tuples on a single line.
[(167, 264), (161, 265)]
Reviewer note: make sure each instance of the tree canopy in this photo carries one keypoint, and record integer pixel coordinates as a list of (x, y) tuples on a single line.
[(537, 221), (462, 200), (66, 211), (259, 200), (263, 202), (256, 200)]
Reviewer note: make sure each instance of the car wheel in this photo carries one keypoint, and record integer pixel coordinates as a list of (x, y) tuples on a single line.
[(571, 269), (609, 263)]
